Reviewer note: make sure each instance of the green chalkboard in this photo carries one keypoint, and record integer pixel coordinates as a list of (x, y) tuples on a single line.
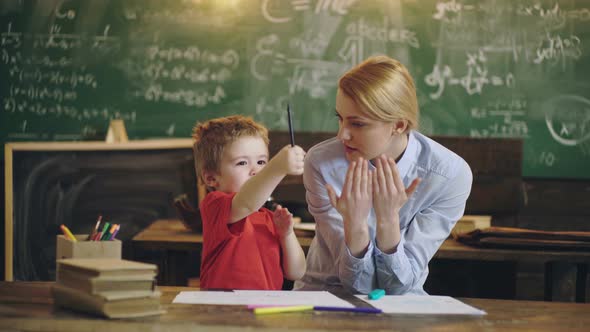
[(499, 68)]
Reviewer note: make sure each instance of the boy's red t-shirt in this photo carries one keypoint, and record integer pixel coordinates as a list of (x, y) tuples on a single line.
[(242, 255)]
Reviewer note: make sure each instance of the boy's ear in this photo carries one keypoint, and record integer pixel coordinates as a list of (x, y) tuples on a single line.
[(210, 179)]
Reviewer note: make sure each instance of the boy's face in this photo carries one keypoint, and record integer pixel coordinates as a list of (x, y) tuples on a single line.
[(241, 160)]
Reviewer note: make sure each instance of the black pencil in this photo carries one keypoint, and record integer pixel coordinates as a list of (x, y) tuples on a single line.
[(290, 125)]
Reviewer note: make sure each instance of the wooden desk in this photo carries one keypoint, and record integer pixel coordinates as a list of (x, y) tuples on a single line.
[(35, 312), (579, 260), (172, 236)]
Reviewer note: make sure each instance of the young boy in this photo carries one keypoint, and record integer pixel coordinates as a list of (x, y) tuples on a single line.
[(245, 246)]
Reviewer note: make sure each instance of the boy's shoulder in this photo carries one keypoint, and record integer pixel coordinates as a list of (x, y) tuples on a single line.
[(215, 197)]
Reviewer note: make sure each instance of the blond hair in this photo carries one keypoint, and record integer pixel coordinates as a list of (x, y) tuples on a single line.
[(384, 89), (211, 137)]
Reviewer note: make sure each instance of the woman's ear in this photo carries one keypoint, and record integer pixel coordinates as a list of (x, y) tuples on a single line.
[(210, 179), (399, 127)]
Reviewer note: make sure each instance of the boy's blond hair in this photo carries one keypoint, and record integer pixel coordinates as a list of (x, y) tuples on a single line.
[(384, 89), (212, 136)]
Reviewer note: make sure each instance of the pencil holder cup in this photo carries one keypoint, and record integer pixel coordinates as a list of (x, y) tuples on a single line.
[(67, 248)]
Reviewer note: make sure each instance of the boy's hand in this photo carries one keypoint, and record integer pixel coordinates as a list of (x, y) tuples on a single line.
[(290, 160), (283, 221)]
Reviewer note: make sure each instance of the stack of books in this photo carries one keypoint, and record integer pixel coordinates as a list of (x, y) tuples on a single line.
[(110, 287), (522, 238), (469, 223)]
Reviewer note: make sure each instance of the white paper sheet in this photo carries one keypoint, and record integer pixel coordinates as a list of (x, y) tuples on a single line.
[(246, 297), (422, 304)]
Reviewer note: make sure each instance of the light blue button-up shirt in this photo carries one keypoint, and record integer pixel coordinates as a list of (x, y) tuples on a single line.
[(426, 219)]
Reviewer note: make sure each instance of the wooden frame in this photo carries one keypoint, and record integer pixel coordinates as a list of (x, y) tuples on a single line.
[(10, 148)]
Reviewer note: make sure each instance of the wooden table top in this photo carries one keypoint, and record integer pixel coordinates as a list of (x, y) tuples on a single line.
[(27, 306), (171, 234)]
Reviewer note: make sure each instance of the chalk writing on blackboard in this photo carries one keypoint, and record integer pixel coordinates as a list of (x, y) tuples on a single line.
[(503, 119), (476, 78), (273, 10), (568, 119)]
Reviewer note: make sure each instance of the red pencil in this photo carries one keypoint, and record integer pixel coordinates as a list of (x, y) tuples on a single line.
[(91, 236)]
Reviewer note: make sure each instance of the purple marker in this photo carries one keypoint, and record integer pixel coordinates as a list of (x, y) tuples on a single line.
[(356, 309)]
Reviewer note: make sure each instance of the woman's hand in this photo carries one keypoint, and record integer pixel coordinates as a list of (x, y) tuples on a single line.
[(389, 195), (354, 204)]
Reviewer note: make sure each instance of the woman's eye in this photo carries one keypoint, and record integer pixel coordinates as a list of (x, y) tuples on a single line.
[(262, 162), (241, 163), (358, 124)]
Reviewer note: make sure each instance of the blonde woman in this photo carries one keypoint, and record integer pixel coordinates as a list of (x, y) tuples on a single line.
[(384, 196)]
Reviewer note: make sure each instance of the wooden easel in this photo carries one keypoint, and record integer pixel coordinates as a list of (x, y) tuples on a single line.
[(117, 132)]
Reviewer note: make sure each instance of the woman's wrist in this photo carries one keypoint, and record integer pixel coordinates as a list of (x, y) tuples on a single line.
[(387, 234), (357, 241), (387, 221)]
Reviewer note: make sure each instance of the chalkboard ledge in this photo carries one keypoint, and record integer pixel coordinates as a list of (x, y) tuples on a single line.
[(153, 144)]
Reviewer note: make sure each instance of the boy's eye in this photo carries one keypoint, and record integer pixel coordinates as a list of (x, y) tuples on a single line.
[(262, 162), (358, 124)]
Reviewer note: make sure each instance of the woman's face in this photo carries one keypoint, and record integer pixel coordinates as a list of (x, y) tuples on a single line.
[(361, 135)]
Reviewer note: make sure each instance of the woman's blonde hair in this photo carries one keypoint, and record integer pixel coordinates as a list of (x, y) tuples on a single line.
[(211, 137), (384, 89)]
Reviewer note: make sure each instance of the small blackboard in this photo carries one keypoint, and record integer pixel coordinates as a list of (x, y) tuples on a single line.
[(49, 184)]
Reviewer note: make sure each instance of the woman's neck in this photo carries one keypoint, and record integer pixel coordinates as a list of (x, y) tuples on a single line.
[(398, 146)]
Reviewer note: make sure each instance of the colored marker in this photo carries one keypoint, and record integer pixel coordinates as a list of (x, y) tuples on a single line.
[(110, 232), (112, 237), (116, 231), (91, 236), (104, 232), (290, 125), (345, 309), (376, 294), (254, 306), (276, 310), (67, 233)]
